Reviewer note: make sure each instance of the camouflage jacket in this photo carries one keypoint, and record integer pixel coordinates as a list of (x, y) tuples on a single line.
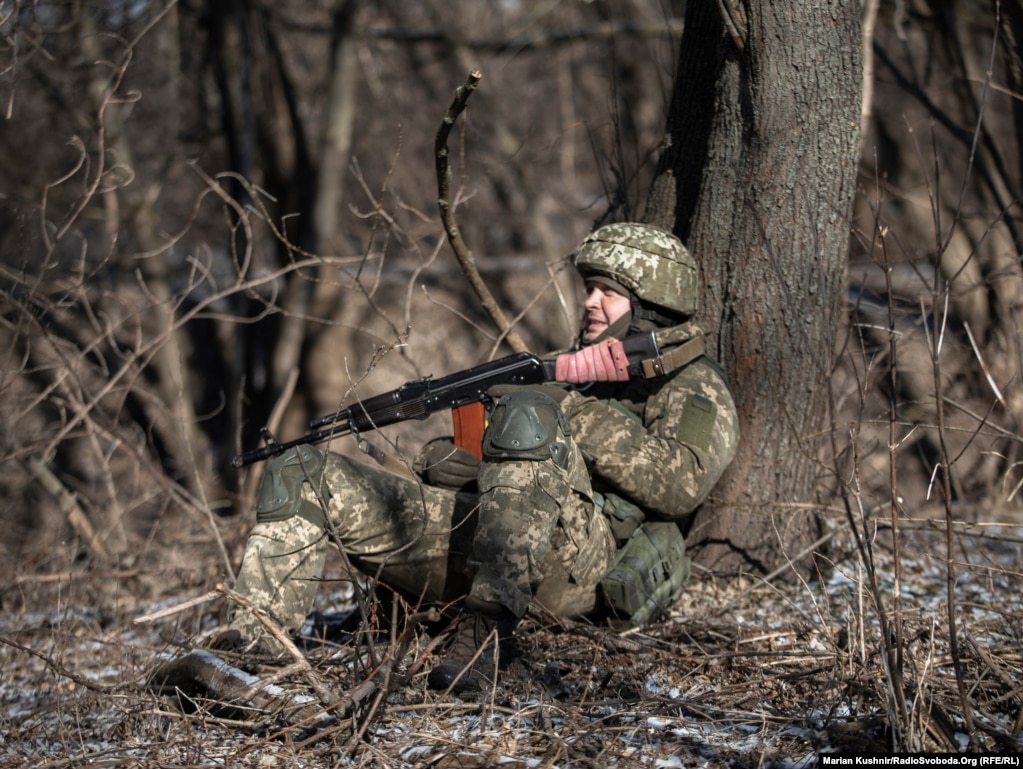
[(660, 443)]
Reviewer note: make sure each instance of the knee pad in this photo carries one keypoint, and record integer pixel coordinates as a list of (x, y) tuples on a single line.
[(280, 494), (527, 425)]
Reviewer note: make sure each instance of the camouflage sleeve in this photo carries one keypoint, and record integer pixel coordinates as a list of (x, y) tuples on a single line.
[(667, 460)]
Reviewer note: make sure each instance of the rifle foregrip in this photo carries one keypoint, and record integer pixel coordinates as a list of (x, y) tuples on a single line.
[(470, 422)]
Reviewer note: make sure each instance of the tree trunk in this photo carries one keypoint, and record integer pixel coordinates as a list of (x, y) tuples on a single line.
[(758, 181)]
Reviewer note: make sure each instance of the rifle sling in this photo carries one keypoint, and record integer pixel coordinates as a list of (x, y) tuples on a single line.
[(675, 358)]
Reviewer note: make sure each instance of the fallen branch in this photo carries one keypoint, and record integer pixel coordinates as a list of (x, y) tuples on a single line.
[(69, 506), (172, 610), (202, 672)]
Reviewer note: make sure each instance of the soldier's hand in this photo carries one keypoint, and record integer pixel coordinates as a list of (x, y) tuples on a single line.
[(441, 463), (601, 362)]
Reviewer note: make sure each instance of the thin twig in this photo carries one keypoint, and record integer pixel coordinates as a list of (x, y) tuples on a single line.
[(325, 694), (172, 610)]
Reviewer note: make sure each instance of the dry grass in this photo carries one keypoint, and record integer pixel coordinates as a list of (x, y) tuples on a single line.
[(744, 673)]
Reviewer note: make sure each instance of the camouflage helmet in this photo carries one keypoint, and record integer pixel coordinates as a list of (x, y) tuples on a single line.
[(647, 260)]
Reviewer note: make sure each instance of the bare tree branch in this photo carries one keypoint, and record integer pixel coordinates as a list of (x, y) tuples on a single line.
[(69, 505), (447, 213)]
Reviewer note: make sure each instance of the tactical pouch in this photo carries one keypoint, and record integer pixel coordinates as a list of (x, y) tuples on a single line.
[(623, 516), (648, 573)]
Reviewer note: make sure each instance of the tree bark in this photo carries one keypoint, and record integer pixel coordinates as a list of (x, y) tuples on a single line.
[(758, 180)]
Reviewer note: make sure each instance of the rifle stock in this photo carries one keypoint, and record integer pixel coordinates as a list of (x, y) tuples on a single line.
[(421, 397)]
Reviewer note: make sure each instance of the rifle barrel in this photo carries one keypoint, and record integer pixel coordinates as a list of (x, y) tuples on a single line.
[(275, 449)]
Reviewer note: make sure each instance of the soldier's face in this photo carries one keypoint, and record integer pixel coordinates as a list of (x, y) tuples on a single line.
[(603, 307)]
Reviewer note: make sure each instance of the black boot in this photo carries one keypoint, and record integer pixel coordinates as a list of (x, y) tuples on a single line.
[(482, 645)]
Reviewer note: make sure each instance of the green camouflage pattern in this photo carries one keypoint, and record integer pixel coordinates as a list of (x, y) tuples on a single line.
[(536, 517), (651, 441), (649, 261), (279, 572), (534, 531)]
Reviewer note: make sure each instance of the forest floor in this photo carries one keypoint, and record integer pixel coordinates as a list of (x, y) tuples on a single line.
[(744, 673)]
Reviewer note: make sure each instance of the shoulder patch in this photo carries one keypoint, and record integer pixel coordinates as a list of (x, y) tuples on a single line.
[(697, 425)]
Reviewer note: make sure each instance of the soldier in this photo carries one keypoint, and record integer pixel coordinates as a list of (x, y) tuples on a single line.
[(579, 502)]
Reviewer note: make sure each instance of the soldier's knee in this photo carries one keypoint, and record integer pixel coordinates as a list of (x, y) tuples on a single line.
[(280, 494), (527, 424)]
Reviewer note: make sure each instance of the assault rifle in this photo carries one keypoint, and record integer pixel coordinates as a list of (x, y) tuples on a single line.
[(464, 393)]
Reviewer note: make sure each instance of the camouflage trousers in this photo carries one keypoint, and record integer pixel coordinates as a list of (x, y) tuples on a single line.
[(532, 532)]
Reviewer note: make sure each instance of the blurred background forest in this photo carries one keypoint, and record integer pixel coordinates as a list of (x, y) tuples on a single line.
[(216, 215)]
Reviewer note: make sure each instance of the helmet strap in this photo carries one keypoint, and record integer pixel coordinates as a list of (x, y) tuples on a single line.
[(643, 317), (644, 311)]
